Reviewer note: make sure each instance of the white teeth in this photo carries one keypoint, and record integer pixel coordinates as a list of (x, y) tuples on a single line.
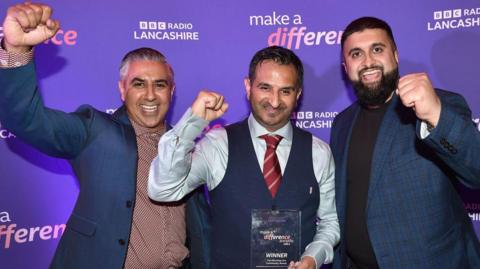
[(149, 108), (366, 73)]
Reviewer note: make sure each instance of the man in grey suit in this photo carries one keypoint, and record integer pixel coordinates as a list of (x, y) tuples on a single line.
[(114, 224), (397, 151)]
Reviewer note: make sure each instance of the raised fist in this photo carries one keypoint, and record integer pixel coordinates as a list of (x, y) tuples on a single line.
[(416, 91), (209, 105), (27, 25)]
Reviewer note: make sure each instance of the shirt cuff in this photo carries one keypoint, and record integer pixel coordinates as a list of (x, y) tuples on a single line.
[(9, 59), (317, 250), (190, 126), (425, 130)]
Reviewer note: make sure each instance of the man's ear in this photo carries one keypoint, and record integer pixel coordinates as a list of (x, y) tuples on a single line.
[(299, 93), (172, 91), (123, 91), (248, 87)]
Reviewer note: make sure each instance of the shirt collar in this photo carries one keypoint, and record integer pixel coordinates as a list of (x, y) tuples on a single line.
[(256, 129)]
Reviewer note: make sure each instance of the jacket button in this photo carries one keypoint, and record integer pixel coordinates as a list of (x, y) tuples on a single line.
[(129, 204), (121, 242), (443, 141)]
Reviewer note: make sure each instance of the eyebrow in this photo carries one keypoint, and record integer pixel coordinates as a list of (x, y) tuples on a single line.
[(136, 79), (381, 44), (260, 84), (289, 88), (353, 50)]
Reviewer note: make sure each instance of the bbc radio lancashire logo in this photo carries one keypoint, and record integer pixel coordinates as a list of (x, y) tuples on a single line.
[(11, 234), (62, 37), (5, 134), (314, 119), (290, 32), (473, 210), (160, 30), (454, 19)]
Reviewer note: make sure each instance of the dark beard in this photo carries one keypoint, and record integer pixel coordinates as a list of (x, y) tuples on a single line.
[(377, 94)]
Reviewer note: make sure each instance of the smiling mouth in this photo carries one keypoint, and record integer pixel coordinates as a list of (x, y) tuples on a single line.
[(148, 108), (371, 75)]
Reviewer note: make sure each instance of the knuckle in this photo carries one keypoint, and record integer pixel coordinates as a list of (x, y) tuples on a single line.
[(29, 12), (11, 9), (45, 8), (20, 13), (35, 8)]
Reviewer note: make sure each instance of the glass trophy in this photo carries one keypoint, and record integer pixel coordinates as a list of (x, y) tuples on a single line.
[(275, 238)]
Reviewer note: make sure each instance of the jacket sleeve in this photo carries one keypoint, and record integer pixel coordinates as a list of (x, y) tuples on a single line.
[(22, 111), (456, 140)]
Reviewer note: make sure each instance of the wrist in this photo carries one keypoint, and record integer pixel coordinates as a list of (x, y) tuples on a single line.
[(430, 127), (14, 49), (309, 262), (11, 59), (432, 122)]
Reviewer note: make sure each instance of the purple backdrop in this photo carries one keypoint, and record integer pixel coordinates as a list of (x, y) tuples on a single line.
[(209, 44)]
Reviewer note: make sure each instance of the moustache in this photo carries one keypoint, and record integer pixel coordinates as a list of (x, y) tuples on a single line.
[(267, 105)]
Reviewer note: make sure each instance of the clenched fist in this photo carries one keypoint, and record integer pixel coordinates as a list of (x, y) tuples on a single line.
[(27, 25), (416, 91), (209, 105)]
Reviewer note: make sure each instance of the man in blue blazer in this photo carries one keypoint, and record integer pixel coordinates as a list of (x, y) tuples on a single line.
[(398, 151), (114, 224)]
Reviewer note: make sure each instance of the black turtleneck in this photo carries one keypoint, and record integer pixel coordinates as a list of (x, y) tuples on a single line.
[(362, 144)]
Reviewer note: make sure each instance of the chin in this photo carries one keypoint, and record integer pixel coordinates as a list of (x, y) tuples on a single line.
[(150, 124), (274, 124)]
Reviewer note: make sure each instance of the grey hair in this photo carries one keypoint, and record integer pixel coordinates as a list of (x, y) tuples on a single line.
[(143, 54)]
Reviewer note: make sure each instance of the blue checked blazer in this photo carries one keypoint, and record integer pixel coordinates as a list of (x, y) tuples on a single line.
[(414, 215), (102, 150)]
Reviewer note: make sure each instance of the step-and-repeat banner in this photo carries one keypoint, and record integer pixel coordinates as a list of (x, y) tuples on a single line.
[(210, 44)]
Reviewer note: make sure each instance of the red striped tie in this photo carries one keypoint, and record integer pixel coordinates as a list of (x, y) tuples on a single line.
[(271, 167)]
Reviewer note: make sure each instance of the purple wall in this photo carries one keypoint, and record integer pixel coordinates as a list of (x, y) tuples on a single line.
[(209, 44)]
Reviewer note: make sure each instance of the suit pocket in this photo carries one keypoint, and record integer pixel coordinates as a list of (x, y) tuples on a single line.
[(81, 225)]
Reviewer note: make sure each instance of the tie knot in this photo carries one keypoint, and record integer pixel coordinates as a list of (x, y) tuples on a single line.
[(272, 140)]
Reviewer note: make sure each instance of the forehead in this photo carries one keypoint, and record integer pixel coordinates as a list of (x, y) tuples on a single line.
[(365, 39), (148, 70), (270, 70)]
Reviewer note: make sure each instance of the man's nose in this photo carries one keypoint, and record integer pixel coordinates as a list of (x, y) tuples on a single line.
[(150, 94), (275, 99)]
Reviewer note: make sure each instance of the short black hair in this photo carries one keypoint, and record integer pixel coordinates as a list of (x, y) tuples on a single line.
[(363, 23), (280, 56)]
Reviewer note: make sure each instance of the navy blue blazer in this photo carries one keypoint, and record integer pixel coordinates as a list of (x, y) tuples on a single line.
[(103, 153), (414, 215)]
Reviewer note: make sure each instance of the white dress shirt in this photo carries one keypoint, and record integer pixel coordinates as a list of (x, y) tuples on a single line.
[(183, 165)]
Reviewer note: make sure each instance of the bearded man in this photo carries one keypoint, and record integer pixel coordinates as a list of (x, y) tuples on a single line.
[(397, 151)]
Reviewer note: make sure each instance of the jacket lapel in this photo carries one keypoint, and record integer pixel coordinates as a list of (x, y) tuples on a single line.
[(344, 132), (120, 116)]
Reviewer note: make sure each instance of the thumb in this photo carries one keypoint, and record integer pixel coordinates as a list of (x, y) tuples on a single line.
[(52, 27), (211, 101), (224, 107)]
